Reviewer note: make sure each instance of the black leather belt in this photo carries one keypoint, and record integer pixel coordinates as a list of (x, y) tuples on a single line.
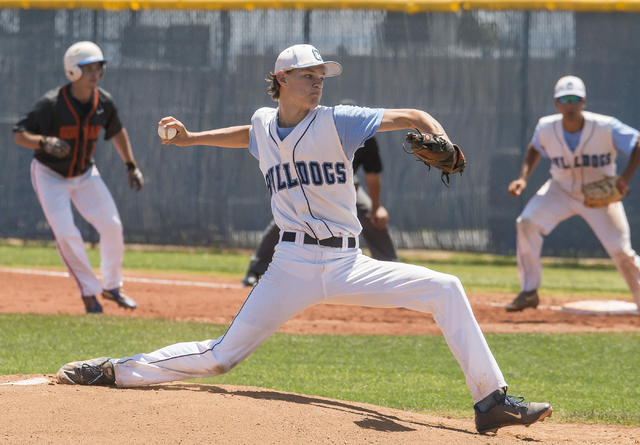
[(334, 241)]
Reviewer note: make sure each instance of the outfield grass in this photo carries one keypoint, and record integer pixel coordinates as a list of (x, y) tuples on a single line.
[(210, 262), (478, 272), (587, 377)]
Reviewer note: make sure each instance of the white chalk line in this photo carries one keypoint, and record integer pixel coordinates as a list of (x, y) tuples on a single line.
[(52, 273)]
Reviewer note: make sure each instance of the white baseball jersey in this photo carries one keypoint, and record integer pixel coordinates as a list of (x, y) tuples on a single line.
[(305, 172), (593, 158)]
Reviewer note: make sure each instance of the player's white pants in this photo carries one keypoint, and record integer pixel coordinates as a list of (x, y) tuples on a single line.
[(93, 201), (552, 205), (301, 276)]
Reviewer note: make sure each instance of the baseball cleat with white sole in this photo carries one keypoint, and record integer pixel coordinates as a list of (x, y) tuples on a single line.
[(97, 371), (120, 297), (508, 411)]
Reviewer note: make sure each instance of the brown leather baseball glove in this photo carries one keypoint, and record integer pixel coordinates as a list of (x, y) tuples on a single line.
[(603, 192), (436, 151)]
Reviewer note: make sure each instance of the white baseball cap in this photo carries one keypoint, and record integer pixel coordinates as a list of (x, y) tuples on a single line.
[(570, 86), (304, 56)]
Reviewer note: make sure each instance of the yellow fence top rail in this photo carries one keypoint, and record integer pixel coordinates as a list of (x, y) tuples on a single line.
[(389, 5)]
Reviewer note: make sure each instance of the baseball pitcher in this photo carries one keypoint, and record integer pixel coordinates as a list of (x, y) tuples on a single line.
[(305, 152)]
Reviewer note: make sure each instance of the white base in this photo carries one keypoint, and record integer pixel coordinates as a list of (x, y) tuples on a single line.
[(601, 307), (34, 381)]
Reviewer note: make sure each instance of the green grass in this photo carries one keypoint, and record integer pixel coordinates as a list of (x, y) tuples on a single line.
[(556, 281), (587, 377), (201, 261), (478, 272)]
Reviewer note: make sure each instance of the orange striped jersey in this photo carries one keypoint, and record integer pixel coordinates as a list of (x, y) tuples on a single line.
[(59, 114)]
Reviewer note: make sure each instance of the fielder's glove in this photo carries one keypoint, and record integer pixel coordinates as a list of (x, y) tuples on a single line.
[(605, 191), (437, 152), (134, 175), (54, 146)]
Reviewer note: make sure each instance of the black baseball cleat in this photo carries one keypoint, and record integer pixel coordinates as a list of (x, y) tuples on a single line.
[(120, 297), (97, 371), (508, 411), (91, 305), (524, 300), (250, 280)]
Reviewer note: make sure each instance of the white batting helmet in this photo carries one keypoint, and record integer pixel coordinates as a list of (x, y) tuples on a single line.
[(78, 54)]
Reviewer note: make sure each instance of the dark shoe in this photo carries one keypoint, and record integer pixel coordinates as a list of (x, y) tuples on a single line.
[(119, 297), (510, 410), (91, 305), (524, 300), (250, 280), (97, 371)]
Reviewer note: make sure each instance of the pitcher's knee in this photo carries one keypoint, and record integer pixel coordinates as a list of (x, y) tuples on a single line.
[(223, 368), (452, 285)]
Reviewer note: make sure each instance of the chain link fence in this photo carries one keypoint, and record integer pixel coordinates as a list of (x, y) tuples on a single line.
[(487, 76)]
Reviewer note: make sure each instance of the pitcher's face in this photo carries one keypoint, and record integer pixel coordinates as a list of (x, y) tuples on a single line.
[(303, 86)]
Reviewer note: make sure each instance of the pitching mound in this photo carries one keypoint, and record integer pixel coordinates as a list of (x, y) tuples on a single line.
[(188, 413)]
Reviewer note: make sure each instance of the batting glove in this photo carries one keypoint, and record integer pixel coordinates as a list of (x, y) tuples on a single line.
[(134, 175)]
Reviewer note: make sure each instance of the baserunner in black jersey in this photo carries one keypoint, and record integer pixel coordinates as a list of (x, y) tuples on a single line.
[(63, 129)]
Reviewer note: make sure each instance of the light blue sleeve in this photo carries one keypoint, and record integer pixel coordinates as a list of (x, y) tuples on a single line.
[(355, 125), (625, 138), (535, 141), (253, 146)]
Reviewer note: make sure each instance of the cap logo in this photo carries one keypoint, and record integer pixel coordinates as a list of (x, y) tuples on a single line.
[(317, 55), (569, 85)]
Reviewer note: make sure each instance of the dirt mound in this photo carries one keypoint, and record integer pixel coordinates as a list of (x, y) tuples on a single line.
[(189, 413)]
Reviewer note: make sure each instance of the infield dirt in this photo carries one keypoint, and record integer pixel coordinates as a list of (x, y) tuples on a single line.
[(188, 413)]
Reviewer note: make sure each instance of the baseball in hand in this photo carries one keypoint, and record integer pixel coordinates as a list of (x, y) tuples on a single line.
[(167, 133)]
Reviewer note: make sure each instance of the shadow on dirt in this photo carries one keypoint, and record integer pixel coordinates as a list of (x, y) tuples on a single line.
[(373, 420)]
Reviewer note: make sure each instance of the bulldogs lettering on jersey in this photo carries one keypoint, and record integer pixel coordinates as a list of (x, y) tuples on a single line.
[(280, 177), (595, 161), (305, 172), (593, 158)]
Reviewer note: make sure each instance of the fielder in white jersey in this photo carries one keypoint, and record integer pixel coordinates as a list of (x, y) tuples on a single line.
[(305, 152), (582, 147)]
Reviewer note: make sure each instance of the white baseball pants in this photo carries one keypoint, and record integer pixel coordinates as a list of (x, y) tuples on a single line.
[(301, 276), (93, 201), (552, 205)]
